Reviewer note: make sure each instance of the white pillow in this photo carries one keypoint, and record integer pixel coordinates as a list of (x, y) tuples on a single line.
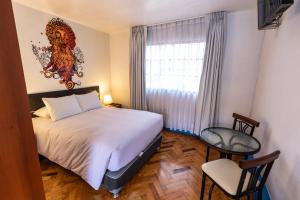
[(42, 112), (88, 101), (62, 107)]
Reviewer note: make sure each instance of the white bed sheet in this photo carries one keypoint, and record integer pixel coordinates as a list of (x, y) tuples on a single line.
[(93, 141)]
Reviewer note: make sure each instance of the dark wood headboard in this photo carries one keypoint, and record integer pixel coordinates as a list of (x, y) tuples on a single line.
[(36, 102)]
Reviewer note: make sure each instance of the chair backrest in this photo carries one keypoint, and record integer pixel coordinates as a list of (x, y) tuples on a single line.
[(259, 169), (244, 124)]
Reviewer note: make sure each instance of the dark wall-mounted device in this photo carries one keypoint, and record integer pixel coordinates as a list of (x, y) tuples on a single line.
[(270, 12)]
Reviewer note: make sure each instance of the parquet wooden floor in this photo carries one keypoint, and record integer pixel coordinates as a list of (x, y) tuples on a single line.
[(174, 173)]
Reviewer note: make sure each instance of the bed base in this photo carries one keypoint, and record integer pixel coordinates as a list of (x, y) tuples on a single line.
[(114, 181)]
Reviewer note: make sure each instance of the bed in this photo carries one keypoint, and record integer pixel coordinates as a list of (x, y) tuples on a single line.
[(105, 146)]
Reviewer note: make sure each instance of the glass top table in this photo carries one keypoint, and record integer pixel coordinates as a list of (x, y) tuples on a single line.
[(230, 141)]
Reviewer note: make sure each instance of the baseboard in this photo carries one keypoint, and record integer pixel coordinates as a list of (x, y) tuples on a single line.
[(181, 132), (265, 194)]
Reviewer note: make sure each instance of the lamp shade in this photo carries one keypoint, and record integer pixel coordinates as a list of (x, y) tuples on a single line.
[(107, 99)]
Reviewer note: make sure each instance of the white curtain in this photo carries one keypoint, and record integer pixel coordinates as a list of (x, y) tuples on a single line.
[(178, 107), (174, 61)]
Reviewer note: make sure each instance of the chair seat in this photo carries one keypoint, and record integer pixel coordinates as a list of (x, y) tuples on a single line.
[(226, 174)]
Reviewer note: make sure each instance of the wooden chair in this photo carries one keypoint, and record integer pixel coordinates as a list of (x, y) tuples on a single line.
[(244, 124), (237, 180)]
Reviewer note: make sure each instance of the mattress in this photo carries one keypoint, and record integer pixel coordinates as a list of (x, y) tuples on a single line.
[(97, 140)]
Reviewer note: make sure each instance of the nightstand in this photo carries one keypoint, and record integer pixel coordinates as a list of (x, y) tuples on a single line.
[(116, 105)]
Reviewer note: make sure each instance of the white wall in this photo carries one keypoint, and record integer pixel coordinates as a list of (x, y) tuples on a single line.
[(119, 67), (277, 104), (242, 53), (240, 65), (94, 44)]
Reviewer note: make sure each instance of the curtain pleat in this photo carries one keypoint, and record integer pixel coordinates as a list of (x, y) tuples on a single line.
[(207, 113), (179, 32), (137, 67)]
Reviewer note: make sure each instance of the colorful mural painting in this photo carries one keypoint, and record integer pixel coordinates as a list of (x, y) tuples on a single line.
[(62, 59)]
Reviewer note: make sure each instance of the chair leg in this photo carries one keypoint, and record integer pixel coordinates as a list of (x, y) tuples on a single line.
[(210, 191), (207, 154), (248, 197), (259, 194), (229, 156), (222, 155), (202, 186)]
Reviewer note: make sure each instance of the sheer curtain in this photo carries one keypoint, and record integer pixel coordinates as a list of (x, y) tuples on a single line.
[(174, 61)]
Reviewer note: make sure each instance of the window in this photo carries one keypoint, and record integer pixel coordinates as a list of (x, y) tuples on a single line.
[(174, 66)]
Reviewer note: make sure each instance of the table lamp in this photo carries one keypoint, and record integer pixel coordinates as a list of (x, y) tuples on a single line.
[(107, 99)]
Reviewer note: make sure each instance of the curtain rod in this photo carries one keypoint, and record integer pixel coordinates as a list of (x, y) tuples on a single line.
[(174, 21)]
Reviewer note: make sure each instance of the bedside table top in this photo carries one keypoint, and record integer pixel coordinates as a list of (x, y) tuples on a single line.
[(116, 105)]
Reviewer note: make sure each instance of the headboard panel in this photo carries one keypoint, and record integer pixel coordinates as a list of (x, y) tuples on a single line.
[(36, 102)]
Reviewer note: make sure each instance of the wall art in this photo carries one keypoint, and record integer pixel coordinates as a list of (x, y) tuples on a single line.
[(62, 59)]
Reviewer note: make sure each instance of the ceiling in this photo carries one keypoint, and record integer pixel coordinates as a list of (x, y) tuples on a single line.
[(115, 15)]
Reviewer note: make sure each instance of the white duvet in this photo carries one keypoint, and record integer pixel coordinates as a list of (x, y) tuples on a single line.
[(92, 142)]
